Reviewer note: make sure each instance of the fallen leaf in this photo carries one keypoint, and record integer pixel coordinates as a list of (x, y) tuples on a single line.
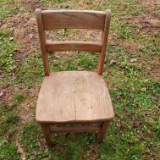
[(112, 62), (11, 38), (153, 21), (4, 26), (80, 69), (1, 94), (149, 68), (155, 98), (48, 41), (3, 91), (133, 60), (30, 36), (57, 56), (135, 20), (137, 125), (20, 149)]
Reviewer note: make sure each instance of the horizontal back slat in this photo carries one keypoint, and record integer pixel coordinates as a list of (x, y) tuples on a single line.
[(73, 19), (73, 46)]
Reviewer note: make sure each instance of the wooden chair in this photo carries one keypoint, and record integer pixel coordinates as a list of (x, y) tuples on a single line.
[(73, 97)]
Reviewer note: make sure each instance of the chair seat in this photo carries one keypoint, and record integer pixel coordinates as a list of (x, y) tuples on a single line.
[(74, 96)]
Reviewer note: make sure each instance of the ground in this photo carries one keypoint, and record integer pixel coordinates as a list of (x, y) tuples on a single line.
[(132, 73)]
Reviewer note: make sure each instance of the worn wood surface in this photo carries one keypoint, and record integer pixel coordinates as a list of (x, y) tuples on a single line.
[(104, 42), (103, 130), (42, 41), (47, 134), (75, 129), (61, 19), (73, 46), (74, 96)]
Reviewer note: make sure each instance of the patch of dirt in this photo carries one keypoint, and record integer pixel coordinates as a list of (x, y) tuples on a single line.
[(149, 24), (31, 5), (131, 47), (20, 54), (25, 34), (19, 34), (6, 95), (156, 73), (148, 2), (8, 92), (24, 29), (27, 108)]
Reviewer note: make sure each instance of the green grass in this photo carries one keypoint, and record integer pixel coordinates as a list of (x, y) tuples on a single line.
[(55, 1), (135, 132), (7, 10), (8, 131), (18, 98), (7, 47), (8, 151)]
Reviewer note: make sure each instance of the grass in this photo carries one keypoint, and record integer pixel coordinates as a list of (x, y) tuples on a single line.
[(7, 9), (7, 49), (18, 98), (134, 85)]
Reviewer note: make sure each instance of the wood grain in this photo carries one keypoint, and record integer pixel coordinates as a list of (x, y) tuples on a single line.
[(75, 129), (102, 132), (42, 42), (61, 19), (47, 134), (73, 46), (71, 96), (104, 42)]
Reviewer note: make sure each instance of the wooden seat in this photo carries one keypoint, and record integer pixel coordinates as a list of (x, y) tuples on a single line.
[(73, 97)]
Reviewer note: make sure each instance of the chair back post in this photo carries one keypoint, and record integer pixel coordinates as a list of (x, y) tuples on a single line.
[(104, 42), (42, 41)]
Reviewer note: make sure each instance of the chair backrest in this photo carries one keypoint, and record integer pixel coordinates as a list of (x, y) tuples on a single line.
[(73, 19)]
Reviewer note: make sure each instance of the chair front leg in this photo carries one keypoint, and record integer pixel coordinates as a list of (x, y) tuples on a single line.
[(47, 134), (103, 130)]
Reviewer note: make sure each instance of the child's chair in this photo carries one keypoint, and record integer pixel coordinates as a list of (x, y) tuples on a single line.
[(73, 97)]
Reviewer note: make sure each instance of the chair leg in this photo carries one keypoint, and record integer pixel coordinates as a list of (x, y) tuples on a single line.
[(47, 134), (102, 132)]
